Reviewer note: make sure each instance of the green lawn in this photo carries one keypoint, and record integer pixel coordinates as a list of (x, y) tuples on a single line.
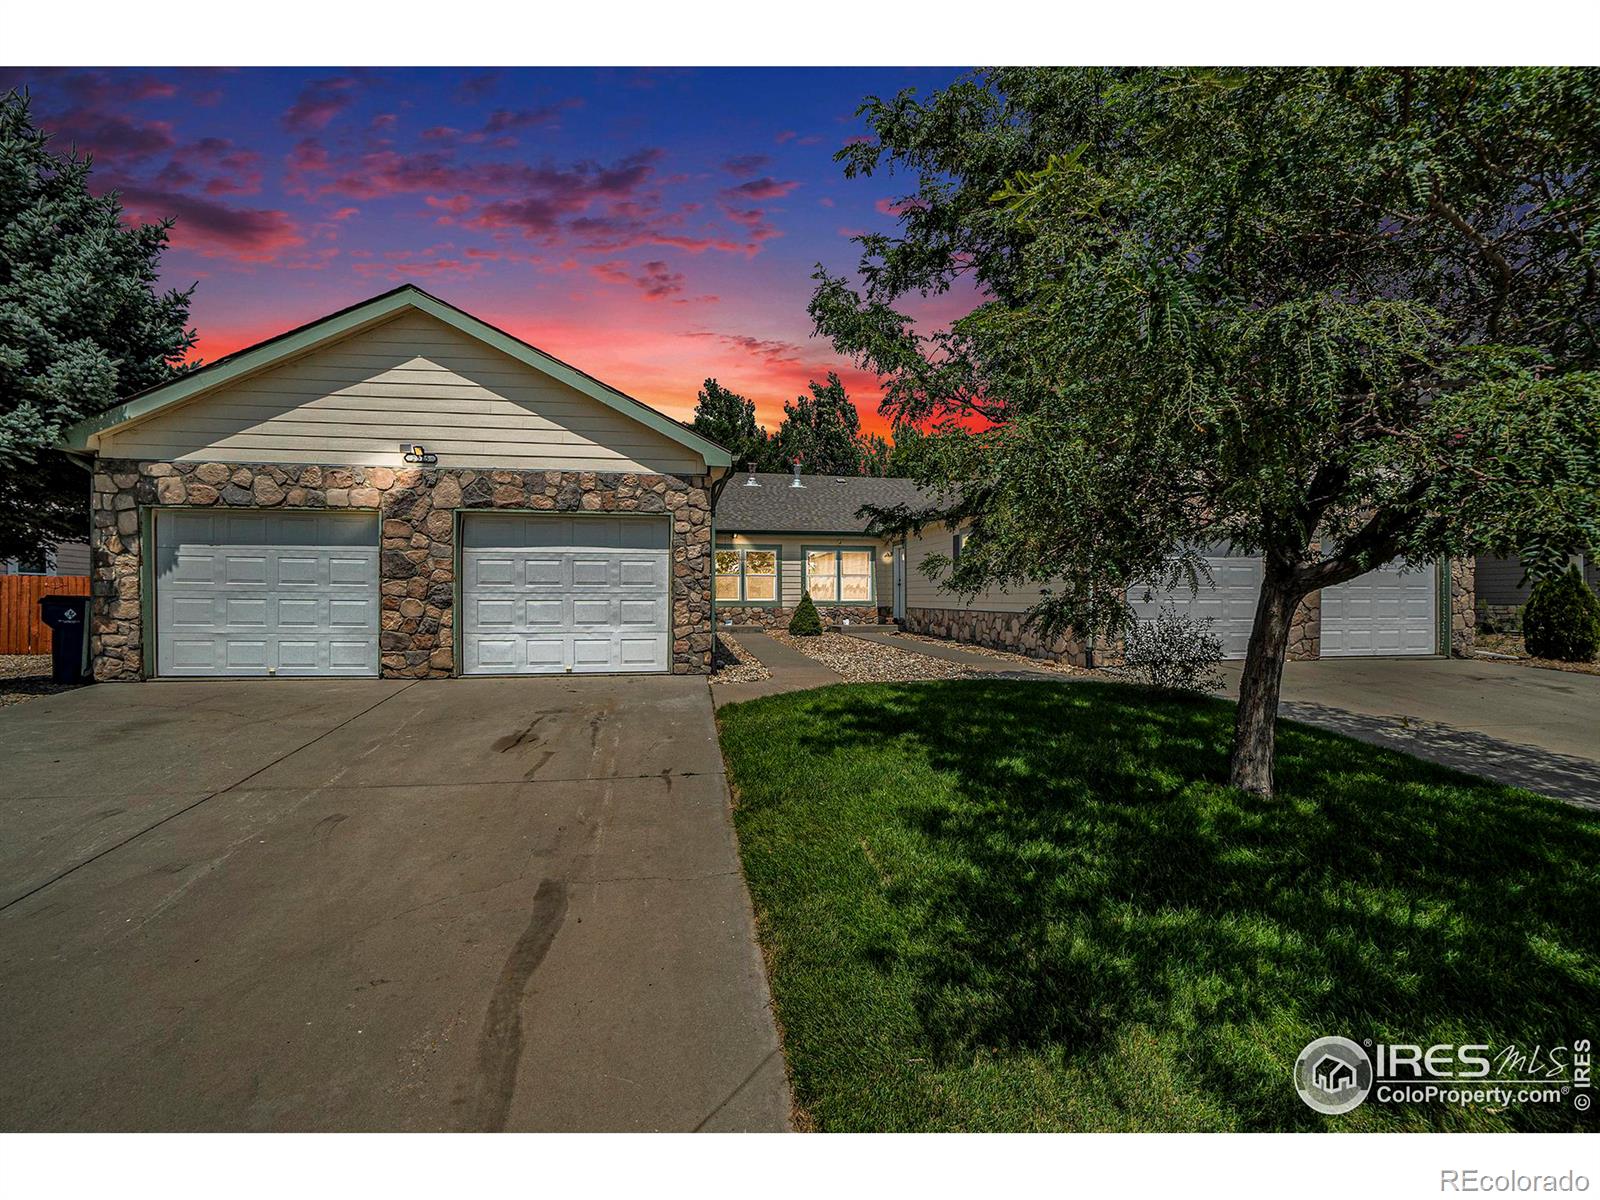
[(1003, 906)]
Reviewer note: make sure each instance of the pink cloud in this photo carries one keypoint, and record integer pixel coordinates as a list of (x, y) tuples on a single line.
[(765, 188), (211, 227), (319, 103), (746, 164), (111, 137), (897, 208)]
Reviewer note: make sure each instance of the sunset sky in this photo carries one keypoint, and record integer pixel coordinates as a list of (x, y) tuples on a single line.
[(651, 227)]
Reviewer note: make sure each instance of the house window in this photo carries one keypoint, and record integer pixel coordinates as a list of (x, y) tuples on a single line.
[(956, 542), (840, 576), (747, 574)]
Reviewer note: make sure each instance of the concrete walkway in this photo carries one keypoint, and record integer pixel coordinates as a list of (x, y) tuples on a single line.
[(320, 905), (791, 670)]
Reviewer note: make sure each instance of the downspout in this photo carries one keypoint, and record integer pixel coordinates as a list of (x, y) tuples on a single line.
[(716, 494)]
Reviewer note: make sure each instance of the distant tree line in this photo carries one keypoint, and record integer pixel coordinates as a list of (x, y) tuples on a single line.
[(822, 430)]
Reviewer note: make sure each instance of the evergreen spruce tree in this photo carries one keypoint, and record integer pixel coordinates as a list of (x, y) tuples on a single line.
[(805, 622), (81, 326)]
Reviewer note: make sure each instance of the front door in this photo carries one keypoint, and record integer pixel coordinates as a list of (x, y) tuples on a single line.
[(900, 582)]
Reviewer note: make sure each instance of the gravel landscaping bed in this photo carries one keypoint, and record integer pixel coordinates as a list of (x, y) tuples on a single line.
[(861, 661), (1509, 645), (732, 663), (24, 676), (989, 652)]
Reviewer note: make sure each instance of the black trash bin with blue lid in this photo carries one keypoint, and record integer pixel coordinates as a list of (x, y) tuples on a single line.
[(68, 618)]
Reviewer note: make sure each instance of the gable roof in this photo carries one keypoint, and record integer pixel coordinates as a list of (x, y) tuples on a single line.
[(827, 503), (366, 314)]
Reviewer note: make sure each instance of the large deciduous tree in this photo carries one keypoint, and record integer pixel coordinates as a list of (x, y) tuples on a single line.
[(1334, 317), (81, 325)]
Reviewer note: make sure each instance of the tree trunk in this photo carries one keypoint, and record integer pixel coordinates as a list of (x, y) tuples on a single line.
[(1255, 727)]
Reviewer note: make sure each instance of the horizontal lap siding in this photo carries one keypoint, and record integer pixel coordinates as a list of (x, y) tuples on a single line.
[(413, 379), (922, 592)]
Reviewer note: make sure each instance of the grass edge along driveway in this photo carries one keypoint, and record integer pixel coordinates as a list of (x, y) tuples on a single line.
[(989, 906)]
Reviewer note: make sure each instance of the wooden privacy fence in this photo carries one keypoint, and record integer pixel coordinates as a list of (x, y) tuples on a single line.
[(21, 630)]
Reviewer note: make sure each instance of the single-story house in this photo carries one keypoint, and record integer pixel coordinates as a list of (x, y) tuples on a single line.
[(777, 535), (398, 489), (781, 535)]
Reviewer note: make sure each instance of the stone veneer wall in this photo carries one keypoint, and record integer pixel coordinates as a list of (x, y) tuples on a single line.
[(997, 630), (416, 569), (1498, 618), (1305, 628), (765, 617), (1463, 607)]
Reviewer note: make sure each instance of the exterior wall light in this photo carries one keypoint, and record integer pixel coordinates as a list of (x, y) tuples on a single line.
[(416, 454)]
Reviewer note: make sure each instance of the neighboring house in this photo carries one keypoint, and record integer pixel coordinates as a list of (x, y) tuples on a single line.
[(63, 558), (765, 525), (781, 535), (1503, 589), (398, 489)]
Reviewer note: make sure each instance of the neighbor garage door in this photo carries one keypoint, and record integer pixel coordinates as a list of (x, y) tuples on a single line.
[(1228, 602), (549, 595), (1382, 612), (266, 593)]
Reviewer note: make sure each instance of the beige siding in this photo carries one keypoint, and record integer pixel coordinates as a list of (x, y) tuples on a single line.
[(410, 379), (922, 592), (791, 560)]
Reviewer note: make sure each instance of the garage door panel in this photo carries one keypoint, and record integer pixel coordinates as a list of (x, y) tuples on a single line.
[(348, 571), (492, 572), (547, 574), (591, 572), (639, 612), (345, 613), (545, 613), (245, 612), (246, 569), (587, 612), (591, 597), (493, 613), (252, 594)]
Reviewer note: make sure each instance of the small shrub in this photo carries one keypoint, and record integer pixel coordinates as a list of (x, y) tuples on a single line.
[(805, 622), (1562, 619), (1173, 651)]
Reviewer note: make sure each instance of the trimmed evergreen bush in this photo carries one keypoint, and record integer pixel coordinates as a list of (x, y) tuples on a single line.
[(805, 622), (1562, 619)]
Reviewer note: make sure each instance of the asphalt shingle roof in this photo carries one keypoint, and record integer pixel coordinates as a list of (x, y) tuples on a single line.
[(826, 504)]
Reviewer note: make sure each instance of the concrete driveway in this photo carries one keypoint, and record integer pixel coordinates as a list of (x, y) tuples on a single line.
[(1534, 728), (348, 905)]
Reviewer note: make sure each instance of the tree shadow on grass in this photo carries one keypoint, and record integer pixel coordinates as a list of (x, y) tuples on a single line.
[(1092, 872)]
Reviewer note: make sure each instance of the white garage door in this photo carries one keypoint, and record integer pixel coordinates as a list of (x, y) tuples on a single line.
[(1229, 601), (265, 593), (548, 595), (1382, 612)]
